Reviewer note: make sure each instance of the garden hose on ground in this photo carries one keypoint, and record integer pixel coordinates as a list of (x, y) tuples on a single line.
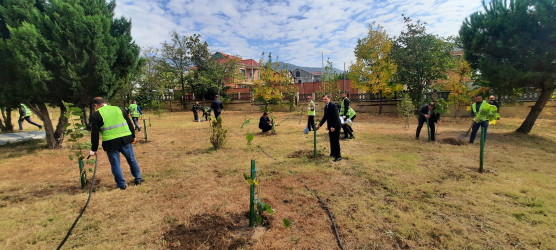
[(334, 228), (84, 207)]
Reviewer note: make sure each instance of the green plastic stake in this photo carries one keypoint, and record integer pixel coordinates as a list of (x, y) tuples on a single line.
[(483, 136), (145, 128), (428, 129), (82, 173), (315, 142), (252, 196)]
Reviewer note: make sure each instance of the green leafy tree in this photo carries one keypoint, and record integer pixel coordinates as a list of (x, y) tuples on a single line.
[(210, 77), (511, 43), (406, 109), (273, 84), (330, 84), (65, 51), (374, 68), (421, 58)]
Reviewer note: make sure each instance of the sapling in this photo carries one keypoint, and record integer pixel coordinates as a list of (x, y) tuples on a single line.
[(259, 204), (487, 113), (76, 131), (249, 136), (218, 134), (406, 109)]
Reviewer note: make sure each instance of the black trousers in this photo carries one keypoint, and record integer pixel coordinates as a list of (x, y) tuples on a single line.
[(422, 121), (217, 114), (196, 115), (347, 128), (311, 123), (335, 143)]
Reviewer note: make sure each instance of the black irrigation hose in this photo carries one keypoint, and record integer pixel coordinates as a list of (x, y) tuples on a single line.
[(268, 154), (334, 228), (85, 207), (329, 215)]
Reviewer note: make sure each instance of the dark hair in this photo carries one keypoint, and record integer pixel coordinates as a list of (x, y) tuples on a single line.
[(98, 100), (432, 104), (265, 114), (327, 95), (481, 96)]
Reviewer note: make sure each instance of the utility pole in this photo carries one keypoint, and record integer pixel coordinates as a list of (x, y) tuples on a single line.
[(322, 73), (344, 76)]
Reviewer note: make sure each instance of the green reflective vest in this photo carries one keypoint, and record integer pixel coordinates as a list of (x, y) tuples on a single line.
[(27, 110), (133, 111), (342, 107), (474, 108), (311, 108), (115, 125), (351, 113)]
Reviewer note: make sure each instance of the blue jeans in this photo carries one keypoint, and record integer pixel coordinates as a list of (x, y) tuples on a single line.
[(136, 122), (476, 128), (114, 158)]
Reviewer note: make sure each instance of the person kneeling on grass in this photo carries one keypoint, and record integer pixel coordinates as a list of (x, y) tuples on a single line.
[(116, 131), (265, 124)]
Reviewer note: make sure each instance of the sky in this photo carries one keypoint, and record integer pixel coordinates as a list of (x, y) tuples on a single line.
[(294, 31)]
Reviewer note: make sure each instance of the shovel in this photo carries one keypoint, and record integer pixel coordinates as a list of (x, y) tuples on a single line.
[(466, 134)]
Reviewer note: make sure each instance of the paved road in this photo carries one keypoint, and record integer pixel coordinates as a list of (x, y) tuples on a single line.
[(21, 136)]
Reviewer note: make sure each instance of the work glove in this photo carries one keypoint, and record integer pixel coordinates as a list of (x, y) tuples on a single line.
[(134, 140), (92, 153)]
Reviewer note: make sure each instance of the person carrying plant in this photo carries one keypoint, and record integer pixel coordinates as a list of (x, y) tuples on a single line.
[(495, 103), (116, 131), (311, 112), (332, 119), (206, 112), (265, 124), (194, 109), (346, 112), (25, 114), (476, 107), (135, 112), (427, 114)]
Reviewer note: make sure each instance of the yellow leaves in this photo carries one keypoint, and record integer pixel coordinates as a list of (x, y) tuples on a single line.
[(468, 108), (492, 122)]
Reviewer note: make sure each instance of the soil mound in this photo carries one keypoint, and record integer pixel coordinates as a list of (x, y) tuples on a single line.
[(305, 153), (453, 141)]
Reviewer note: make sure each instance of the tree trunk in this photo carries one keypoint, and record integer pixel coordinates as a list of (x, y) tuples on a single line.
[(6, 121), (536, 110), (54, 138), (380, 103)]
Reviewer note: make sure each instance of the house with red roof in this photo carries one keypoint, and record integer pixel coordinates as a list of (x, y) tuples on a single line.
[(248, 69)]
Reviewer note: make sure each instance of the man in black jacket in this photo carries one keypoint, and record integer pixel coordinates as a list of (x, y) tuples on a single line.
[(265, 124), (217, 107), (195, 108), (116, 130), (427, 112), (332, 119)]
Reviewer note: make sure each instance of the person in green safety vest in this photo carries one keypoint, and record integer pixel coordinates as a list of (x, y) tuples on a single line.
[(311, 112), (25, 114), (116, 130), (346, 112), (475, 108), (135, 112), (206, 112)]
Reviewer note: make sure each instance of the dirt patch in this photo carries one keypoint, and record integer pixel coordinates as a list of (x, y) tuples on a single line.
[(452, 141), (310, 154), (211, 231)]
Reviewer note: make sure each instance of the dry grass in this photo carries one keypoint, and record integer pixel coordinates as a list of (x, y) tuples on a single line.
[(390, 191)]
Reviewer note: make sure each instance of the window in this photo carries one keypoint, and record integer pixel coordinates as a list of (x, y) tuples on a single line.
[(242, 72), (297, 74), (299, 81), (251, 74)]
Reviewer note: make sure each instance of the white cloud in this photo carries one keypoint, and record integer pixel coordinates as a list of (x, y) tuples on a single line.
[(296, 31)]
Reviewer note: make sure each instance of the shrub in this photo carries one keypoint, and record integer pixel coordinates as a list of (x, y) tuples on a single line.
[(218, 135)]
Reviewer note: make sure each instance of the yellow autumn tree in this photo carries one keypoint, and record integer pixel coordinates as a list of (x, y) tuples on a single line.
[(273, 85), (373, 71)]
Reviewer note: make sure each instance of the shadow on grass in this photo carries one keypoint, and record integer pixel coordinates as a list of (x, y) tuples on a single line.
[(18, 149), (530, 141)]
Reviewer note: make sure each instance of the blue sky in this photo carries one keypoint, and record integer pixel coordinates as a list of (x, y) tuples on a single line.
[(296, 31)]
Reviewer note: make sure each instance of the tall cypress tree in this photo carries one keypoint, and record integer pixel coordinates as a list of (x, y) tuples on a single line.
[(513, 45)]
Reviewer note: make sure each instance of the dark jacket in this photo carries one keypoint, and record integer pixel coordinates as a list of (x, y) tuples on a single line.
[(495, 103), (22, 111), (217, 106), (331, 117), (97, 123), (435, 117), (195, 107), (263, 123)]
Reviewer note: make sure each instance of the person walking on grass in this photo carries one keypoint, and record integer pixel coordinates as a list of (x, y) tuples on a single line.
[(427, 112), (116, 131), (311, 114), (217, 107), (332, 119), (25, 114), (135, 112), (476, 107)]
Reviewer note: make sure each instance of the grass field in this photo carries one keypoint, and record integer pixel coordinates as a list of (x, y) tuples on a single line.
[(390, 191)]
